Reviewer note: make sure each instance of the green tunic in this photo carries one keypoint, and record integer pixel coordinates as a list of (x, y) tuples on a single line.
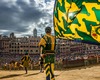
[(48, 44)]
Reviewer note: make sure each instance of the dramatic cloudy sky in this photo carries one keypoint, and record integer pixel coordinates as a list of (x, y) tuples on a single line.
[(22, 16)]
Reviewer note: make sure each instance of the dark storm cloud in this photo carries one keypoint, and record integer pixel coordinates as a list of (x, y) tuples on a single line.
[(29, 13), (18, 17), (7, 16), (47, 0)]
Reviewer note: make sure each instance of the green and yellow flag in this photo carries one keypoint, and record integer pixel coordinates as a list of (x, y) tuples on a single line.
[(77, 20)]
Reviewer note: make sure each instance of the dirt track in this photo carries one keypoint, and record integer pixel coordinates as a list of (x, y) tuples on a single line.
[(90, 73)]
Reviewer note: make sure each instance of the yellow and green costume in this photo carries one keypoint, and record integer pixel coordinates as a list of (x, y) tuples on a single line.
[(25, 62), (47, 42)]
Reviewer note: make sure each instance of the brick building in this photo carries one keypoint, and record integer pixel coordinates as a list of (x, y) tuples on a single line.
[(4, 44), (64, 47)]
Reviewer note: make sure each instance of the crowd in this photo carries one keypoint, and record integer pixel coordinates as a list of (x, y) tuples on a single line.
[(73, 60), (8, 61), (61, 61)]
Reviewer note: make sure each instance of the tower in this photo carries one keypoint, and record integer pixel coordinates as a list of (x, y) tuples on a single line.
[(12, 35), (35, 32)]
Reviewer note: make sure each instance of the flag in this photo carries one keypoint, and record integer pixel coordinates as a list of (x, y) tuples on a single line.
[(77, 20)]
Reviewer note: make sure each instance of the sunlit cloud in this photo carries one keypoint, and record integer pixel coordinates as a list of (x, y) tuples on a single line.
[(22, 16)]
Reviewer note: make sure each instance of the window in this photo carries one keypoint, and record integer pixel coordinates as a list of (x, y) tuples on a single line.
[(31, 50), (36, 50), (34, 46), (21, 50)]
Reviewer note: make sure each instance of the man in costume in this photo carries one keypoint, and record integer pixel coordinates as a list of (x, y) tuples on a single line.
[(25, 61), (47, 48)]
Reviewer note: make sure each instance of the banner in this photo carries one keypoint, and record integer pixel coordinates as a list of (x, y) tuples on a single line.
[(77, 20)]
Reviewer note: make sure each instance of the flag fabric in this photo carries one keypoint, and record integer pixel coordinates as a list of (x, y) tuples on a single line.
[(77, 20)]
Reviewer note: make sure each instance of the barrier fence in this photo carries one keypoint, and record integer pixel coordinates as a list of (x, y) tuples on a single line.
[(64, 63)]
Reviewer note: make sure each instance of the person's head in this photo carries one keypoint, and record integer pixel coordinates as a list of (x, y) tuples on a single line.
[(48, 29)]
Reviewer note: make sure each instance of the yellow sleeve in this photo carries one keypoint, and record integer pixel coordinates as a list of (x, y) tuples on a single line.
[(42, 43)]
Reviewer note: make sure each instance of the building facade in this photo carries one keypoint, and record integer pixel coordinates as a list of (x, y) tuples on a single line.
[(19, 45), (25, 44), (64, 47), (4, 44)]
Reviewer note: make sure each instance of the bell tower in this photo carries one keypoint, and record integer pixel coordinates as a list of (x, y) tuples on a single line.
[(35, 32)]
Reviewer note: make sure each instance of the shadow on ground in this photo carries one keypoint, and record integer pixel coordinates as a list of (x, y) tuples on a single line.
[(10, 76), (16, 75), (31, 74)]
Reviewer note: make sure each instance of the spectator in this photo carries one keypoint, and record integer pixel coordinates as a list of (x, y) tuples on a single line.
[(85, 57)]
